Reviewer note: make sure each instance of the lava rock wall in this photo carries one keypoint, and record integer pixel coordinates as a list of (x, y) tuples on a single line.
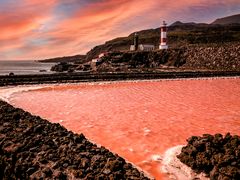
[(33, 148), (216, 156), (225, 57)]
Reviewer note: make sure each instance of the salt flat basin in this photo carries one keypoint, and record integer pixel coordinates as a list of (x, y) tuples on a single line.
[(140, 120)]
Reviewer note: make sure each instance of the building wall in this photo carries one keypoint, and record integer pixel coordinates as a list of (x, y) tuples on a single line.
[(146, 47)]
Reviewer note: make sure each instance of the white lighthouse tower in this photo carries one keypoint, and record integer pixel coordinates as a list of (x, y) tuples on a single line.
[(163, 43)]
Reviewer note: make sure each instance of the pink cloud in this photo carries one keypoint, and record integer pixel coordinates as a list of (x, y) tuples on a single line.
[(19, 21)]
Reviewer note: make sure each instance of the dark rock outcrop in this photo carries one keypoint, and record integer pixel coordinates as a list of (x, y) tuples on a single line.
[(33, 148), (141, 60), (224, 57), (63, 67), (217, 156)]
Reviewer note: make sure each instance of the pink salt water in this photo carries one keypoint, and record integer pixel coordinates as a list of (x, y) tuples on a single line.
[(140, 120)]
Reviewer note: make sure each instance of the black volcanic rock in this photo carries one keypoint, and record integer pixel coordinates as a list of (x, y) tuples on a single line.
[(224, 57), (63, 67), (33, 148), (127, 61), (216, 155)]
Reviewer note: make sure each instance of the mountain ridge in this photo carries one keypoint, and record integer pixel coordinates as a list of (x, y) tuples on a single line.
[(233, 19)]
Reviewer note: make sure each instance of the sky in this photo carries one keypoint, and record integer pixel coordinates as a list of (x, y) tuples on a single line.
[(40, 29)]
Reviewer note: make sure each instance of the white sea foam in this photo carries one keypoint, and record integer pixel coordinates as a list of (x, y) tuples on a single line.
[(7, 92), (142, 80), (157, 80), (175, 168)]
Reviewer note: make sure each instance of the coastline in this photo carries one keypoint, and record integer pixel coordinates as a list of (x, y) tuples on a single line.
[(100, 77)]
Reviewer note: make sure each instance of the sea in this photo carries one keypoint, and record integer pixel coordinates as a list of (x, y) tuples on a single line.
[(24, 67)]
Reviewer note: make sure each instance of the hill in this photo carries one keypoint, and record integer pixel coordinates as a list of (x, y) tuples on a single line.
[(235, 19), (179, 23), (67, 59), (179, 35)]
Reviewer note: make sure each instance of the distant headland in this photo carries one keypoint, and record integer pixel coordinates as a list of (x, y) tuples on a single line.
[(195, 46)]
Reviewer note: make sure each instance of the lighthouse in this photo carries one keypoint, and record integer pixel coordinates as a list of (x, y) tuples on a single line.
[(163, 43), (135, 45), (135, 42)]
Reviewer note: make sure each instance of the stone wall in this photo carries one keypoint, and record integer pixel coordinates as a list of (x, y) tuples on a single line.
[(215, 57)]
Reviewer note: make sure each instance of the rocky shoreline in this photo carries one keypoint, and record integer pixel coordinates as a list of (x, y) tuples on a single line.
[(217, 156), (33, 148), (208, 57)]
